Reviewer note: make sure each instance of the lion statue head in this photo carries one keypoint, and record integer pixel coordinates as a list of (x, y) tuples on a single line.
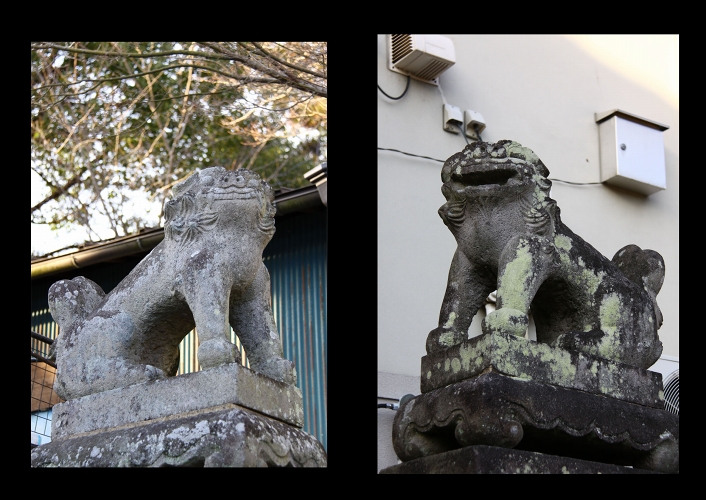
[(215, 194), (483, 171)]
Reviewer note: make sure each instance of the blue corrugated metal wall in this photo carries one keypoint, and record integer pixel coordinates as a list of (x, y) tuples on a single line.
[(297, 260)]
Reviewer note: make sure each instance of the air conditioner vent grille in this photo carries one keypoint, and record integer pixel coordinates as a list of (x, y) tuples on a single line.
[(671, 393), (401, 46), (432, 70)]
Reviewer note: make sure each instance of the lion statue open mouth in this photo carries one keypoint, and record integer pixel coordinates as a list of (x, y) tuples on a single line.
[(206, 273), (511, 239)]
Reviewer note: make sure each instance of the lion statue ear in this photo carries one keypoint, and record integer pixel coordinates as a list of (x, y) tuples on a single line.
[(186, 184), (542, 169)]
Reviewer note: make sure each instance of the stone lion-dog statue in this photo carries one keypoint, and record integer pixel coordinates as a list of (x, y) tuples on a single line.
[(206, 273), (511, 239)]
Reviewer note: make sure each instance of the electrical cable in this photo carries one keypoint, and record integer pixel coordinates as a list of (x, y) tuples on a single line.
[(575, 183), (477, 132), (461, 130), (403, 93), (410, 154), (442, 161)]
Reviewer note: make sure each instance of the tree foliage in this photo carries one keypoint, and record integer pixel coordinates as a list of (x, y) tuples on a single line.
[(113, 122)]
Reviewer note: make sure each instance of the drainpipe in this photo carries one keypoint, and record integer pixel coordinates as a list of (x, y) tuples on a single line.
[(129, 245)]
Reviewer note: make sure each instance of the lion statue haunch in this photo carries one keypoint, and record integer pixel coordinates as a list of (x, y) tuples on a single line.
[(511, 239), (207, 272)]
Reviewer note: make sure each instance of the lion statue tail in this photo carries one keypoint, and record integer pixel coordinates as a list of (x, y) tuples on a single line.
[(73, 300), (645, 268)]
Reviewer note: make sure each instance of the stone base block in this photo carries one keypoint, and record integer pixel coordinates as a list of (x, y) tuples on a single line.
[(529, 360), (497, 410), (494, 460), (225, 436), (231, 383)]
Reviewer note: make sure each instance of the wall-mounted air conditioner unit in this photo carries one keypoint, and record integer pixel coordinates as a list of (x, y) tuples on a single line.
[(668, 366), (422, 57)]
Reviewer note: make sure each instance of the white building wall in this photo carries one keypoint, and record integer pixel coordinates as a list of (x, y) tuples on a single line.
[(541, 91)]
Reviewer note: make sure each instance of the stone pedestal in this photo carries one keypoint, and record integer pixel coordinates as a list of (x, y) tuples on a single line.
[(494, 460), (227, 416), (503, 404)]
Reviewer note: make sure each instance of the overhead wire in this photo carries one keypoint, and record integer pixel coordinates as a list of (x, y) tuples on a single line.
[(443, 98), (442, 161)]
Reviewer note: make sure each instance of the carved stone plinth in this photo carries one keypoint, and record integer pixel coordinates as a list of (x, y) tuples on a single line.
[(527, 360), (510, 392), (227, 416), (494, 460)]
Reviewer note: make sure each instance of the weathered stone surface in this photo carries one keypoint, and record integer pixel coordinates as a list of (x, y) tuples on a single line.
[(528, 360), (226, 436), (494, 460), (230, 383), (497, 410), (511, 239), (206, 273)]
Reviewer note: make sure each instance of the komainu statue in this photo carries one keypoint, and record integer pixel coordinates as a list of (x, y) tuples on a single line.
[(511, 239), (207, 272)]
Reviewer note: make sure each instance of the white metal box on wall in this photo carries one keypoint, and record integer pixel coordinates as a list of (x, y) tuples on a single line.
[(632, 151)]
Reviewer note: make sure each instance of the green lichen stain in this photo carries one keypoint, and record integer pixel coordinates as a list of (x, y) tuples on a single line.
[(564, 470), (563, 370), (465, 352), (507, 320), (515, 149), (589, 280), (450, 322), (594, 368), (503, 356), (446, 339), (562, 242), (428, 375), (447, 363), (514, 292), (455, 365), (610, 316)]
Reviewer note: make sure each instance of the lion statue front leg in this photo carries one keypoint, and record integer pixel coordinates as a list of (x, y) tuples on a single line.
[(524, 265), (467, 288), (252, 320)]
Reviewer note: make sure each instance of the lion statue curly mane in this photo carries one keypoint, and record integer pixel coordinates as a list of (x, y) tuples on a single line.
[(511, 239), (206, 273)]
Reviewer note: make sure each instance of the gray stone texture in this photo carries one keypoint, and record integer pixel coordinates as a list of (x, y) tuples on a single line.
[(496, 410), (226, 436), (494, 460), (227, 384), (117, 354), (206, 273), (511, 239), (528, 360), (580, 399)]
